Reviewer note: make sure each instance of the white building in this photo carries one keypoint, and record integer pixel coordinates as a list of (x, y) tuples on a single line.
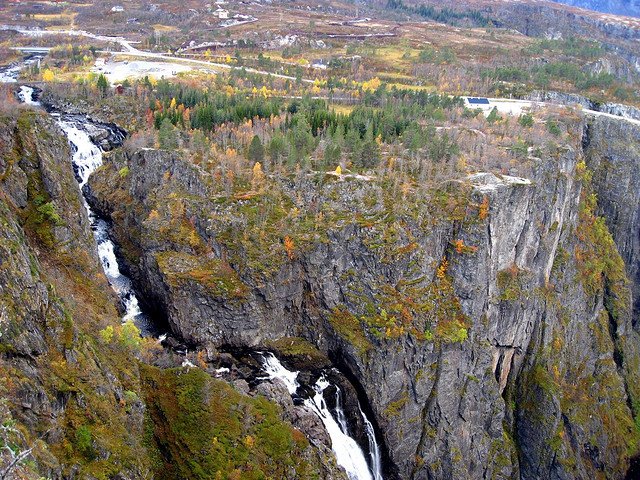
[(221, 13)]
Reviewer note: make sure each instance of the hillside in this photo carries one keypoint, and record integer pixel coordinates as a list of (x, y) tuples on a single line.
[(390, 240), (629, 8)]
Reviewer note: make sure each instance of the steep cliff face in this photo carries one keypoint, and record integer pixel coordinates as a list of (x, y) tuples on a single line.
[(618, 7), (74, 397), (487, 325), (617, 109), (71, 399)]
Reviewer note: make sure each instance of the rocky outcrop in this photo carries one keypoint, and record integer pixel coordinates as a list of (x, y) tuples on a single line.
[(560, 98), (72, 388), (618, 7), (492, 343)]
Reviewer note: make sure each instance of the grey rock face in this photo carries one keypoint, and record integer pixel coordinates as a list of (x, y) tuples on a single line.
[(617, 109), (619, 7), (43, 225), (536, 390), (616, 169)]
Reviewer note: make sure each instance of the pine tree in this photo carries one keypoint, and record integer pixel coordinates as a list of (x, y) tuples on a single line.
[(102, 84), (167, 135), (493, 116), (256, 150)]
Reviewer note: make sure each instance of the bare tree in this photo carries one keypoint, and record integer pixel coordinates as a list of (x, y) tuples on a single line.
[(11, 456)]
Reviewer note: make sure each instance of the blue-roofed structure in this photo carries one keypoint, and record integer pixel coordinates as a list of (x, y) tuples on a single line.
[(477, 101)]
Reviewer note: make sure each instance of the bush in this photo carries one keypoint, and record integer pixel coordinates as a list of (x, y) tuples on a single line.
[(526, 120)]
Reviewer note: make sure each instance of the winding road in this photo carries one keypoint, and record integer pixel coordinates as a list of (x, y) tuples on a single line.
[(503, 105)]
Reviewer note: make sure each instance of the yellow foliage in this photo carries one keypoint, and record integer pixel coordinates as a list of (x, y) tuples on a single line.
[(173, 103), (371, 85), (483, 210), (48, 75), (258, 175), (289, 247), (338, 170), (441, 272)]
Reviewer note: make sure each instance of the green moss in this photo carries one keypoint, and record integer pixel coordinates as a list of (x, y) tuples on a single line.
[(394, 408), (598, 260), (299, 349), (217, 276), (349, 327), (509, 282), (202, 428)]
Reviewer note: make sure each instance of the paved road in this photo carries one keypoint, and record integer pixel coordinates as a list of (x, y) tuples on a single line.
[(506, 106)]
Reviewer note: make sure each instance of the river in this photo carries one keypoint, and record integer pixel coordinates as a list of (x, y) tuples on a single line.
[(86, 158)]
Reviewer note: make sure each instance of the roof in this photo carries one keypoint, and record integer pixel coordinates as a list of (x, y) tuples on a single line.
[(478, 101)]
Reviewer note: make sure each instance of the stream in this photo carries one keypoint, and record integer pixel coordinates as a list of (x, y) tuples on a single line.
[(86, 158), (11, 73)]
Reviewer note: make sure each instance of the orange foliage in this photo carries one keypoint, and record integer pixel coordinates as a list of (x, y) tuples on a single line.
[(289, 247), (441, 272), (483, 209), (201, 359)]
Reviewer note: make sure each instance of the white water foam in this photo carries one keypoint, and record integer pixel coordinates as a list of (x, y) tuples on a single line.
[(12, 73), (86, 158), (348, 453)]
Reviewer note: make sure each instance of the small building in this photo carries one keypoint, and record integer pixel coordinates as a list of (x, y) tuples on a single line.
[(477, 102), (221, 13), (117, 8)]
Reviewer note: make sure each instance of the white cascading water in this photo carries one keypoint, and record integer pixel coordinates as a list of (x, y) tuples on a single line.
[(11, 74), (86, 158), (348, 453)]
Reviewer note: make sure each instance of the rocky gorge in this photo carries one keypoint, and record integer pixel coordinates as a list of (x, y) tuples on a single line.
[(490, 331), (72, 398)]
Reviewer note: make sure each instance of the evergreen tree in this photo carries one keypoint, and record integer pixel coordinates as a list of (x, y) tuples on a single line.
[(332, 154), (102, 84), (256, 150), (493, 116), (276, 148), (167, 135)]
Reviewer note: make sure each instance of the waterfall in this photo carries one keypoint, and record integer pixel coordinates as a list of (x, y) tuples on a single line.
[(342, 420), (86, 158), (374, 448), (348, 453), (10, 74)]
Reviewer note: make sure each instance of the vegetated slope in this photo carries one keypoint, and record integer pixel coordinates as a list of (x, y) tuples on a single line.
[(619, 7), (487, 319), (73, 398)]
